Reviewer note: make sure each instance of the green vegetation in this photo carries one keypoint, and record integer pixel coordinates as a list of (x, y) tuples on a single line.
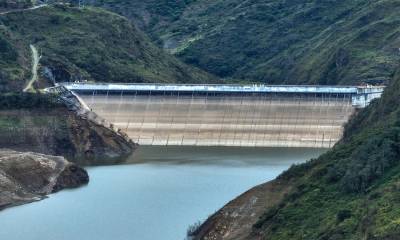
[(148, 13), (6, 5), (14, 66), (84, 44), (351, 192), (281, 42), (28, 101)]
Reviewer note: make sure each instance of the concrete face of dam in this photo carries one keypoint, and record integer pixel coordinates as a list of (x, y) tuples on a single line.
[(246, 120)]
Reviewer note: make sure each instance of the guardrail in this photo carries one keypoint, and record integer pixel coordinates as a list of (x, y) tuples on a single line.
[(210, 88), (361, 95)]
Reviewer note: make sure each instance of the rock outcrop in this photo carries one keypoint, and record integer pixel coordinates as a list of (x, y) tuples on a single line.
[(67, 129), (236, 219), (26, 176), (61, 132)]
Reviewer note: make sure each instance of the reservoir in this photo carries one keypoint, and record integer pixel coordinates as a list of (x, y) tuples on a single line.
[(155, 195)]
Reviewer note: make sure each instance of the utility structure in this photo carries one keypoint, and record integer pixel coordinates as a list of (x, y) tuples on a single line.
[(81, 4), (227, 115)]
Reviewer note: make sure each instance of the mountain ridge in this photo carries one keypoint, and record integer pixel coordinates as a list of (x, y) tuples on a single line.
[(275, 42), (84, 44)]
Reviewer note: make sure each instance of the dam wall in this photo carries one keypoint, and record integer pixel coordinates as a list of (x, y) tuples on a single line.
[(227, 115), (226, 119)]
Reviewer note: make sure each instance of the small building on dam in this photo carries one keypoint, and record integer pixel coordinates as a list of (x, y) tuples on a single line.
[(227, 115)]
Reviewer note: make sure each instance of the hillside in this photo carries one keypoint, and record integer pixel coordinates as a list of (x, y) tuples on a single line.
[(83, 44), (28, 177), (42, 124), (351, 192), (285, 42), (10, 5)]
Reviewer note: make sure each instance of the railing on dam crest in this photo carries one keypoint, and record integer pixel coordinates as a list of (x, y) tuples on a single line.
[(361, 95)]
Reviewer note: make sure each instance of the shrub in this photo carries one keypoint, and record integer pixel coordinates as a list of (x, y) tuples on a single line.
[(371, 160), (27, 100), (192, 229), (56, 20), (343, 215)]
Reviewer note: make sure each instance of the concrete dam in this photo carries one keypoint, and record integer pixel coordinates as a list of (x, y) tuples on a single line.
[(227, 115)]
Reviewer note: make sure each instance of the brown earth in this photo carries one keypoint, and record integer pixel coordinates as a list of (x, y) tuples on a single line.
[(63, 133), (27, 177)]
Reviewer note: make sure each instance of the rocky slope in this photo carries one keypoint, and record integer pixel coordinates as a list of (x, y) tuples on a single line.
[(83, 44), (351, 192), (26, 177), (291, 42), (30, 122), (236, 219)]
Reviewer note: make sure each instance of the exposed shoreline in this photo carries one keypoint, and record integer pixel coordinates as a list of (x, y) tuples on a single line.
[(27, 177)]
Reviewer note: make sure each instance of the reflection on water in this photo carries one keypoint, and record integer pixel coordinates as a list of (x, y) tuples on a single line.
[(157, 197), (223, 156)]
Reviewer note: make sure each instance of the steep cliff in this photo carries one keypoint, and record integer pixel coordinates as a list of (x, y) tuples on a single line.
[(27, 177), (351, 192), (50, 128)]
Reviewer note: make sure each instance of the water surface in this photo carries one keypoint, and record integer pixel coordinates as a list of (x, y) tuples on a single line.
[(155, 196)]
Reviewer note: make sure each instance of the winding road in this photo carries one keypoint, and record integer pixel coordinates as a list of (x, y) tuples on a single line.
[(35, 54), (24, 9), (35, 65)]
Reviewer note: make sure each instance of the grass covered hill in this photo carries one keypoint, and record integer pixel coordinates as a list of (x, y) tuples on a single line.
[(351, 192), (7, 5), (84, 44), (280, 41)]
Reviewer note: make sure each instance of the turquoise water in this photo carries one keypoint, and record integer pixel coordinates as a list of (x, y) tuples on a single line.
[(156, 195)]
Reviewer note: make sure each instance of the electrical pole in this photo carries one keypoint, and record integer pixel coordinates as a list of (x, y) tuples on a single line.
[(81, 4)]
